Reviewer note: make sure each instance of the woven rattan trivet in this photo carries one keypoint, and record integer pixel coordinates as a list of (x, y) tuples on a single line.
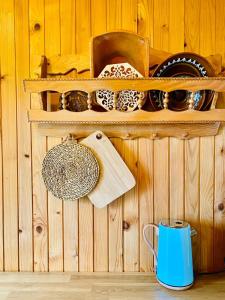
[(70, 170)]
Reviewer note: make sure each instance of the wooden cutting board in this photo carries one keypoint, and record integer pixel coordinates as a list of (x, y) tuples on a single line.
[(115, 177)]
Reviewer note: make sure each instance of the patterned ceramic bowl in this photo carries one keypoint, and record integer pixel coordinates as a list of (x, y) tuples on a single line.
[(183, 65), (127, 99)]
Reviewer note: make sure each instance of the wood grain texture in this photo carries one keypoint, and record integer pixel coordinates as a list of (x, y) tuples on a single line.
[(192, 148), (80, 237), (206, 201), (39, 147), (9, 135), (192, 206), (219, 221), (176, 175), (131, 212), (55, 224), (24, 139), (145, 196), (114, 15), (24, 286), (115, 210), (145, 22), (207, 145), (55, 206), (70, 208), (101, 247), (1, 196), (219, 204)]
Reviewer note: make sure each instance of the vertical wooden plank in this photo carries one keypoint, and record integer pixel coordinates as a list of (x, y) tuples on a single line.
[(161, 24), (206, 202), (176, 44), (55, 225), (86, 231), (161, 147), (145, 153), (176, 26), (24, 138), (192, 205), (192, 25), (9, 135), (98, 17), (67, 26), (176, 179), (116, 224), (131, 211), (219, 216), (114, 15), (131, 204), (40, 235), (1, 188), (145, 195), (161, 179), (145, 21), (83, 29), (129, 15), (55, 209), (70, 208), (219, 205), (207, 47), (98, 26)]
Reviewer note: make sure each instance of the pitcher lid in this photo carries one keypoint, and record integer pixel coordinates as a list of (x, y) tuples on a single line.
[(173, 223)]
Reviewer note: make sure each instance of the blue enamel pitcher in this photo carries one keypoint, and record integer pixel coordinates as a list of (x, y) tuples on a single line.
[(174, 264)]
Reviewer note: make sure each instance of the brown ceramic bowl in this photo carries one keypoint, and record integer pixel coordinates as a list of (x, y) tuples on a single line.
[(183, 64)]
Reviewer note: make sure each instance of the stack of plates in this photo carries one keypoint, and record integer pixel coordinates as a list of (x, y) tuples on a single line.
[(183, 65)]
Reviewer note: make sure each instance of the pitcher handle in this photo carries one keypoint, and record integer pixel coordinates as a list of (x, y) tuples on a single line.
[(149, 244)]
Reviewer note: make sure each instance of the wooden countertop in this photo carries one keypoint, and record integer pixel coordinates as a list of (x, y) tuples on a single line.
[(103, 286)]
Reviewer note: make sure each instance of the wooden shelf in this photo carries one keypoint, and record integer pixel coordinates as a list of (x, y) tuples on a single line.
[(143, 84), (135, 117), (184, 124)]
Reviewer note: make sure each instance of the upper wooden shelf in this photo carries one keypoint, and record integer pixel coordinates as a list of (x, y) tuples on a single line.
[(143, 84), (184, 124)]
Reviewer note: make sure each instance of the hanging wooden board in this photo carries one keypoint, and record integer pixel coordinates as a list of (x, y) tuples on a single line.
[(115, 177)]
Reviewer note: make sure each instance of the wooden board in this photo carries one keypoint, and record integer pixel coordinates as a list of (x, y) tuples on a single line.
[(115, 178)]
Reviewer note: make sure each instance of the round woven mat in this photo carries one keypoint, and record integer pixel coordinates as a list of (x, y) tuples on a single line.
[(70, 171)]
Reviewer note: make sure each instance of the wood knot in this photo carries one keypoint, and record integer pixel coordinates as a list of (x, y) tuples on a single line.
[(27, 155), (20, 230), (221, 206), (37, 26), (126, 225), (185, 44), (222, 150), (39, 229)]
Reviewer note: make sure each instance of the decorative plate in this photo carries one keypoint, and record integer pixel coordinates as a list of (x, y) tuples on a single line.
[(127, 99), (75, 101), (70, 170), (183, 65)]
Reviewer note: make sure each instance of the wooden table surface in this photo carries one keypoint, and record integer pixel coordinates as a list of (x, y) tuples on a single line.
[(103, 286)]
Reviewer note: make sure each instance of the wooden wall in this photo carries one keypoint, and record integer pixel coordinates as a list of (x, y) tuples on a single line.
[(180, 179)]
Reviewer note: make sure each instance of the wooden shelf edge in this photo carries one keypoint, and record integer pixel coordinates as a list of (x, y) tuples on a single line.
[(136, 117), (143, 84), (155, 125)]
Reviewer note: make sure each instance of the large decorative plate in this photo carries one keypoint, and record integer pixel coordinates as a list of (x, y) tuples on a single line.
[(183, 65), (127, 99)]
